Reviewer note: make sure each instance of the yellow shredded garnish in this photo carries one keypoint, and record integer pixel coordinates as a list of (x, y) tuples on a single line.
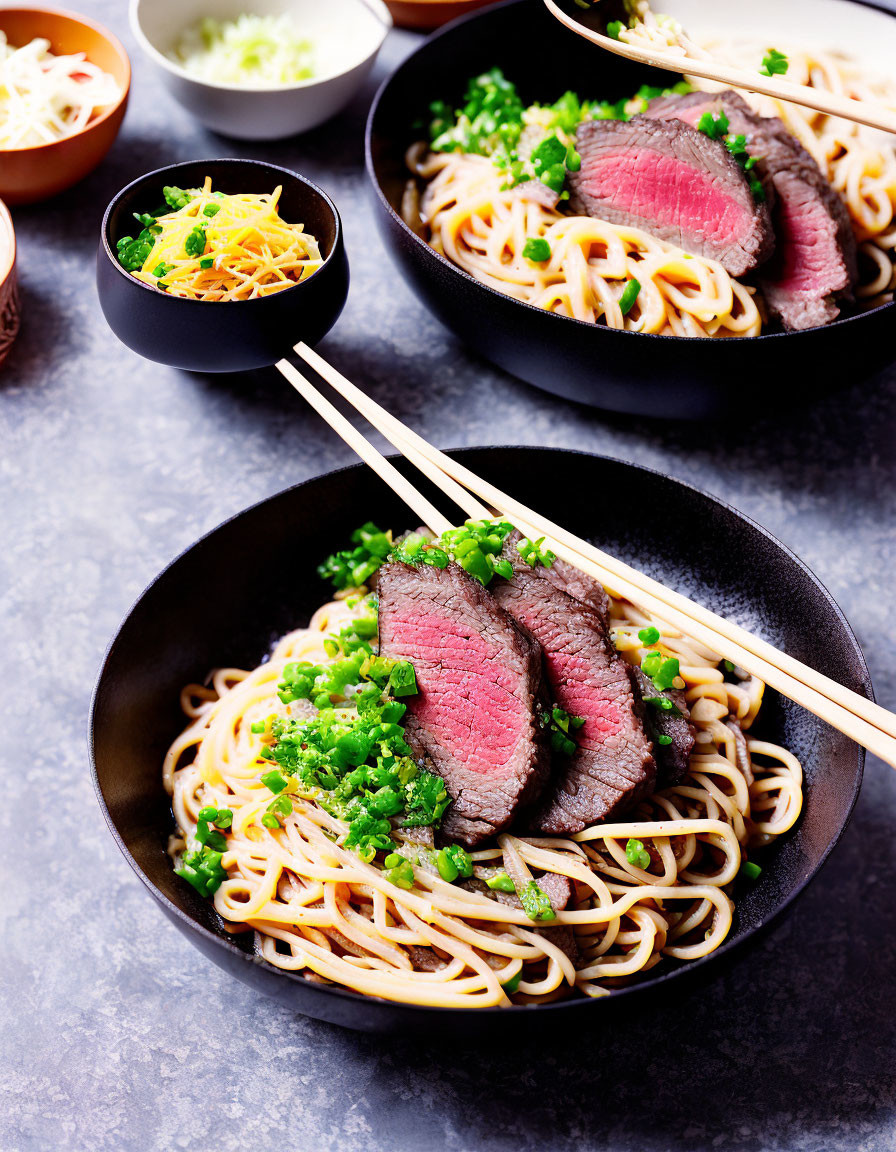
[(248, 250)]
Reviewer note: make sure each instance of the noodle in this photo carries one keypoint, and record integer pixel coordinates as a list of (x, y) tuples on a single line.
[(317, 908)]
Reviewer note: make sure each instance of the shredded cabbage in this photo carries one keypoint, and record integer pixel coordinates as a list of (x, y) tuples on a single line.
[(44, 98), (255, 51)]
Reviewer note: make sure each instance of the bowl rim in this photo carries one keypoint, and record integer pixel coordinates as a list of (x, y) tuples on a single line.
[(556, 1007), (147, 176), (430, 253), (7, 229), (377, 8), (106, 35)]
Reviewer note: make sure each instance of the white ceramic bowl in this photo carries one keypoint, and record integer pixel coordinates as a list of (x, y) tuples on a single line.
[(347, 35)]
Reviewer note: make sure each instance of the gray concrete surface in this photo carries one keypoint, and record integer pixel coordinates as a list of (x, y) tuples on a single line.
[(115, 1033)]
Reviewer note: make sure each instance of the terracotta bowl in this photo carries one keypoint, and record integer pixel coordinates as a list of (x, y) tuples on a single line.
[(9, 297), (427, 14), (30, 174)]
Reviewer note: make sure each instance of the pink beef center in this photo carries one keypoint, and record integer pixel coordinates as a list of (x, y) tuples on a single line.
[(467, 698), (807, 258), (668, 192), (577, 690)]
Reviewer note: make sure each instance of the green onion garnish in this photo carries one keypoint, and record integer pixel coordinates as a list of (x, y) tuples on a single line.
[(536, 903), (629, 296), (510, 986), (774, 63), (537, 249)]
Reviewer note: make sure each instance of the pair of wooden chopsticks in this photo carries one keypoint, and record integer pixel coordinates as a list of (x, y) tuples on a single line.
[(830, 103), (862, 720)]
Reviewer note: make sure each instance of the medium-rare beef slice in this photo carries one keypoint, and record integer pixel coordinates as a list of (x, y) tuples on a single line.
[(674, 182), (814, 263), (612, 766), (673, 759), (579, 585), (476, 716)]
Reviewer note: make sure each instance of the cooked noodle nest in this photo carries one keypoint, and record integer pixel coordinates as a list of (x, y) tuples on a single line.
[(482, 227), (316, 908), (468, 214)]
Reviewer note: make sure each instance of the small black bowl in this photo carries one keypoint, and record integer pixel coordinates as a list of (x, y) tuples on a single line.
[(235, 335), (190, 620), (664, 376)]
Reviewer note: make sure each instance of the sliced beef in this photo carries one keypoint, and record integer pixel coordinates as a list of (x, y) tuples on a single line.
[(476, 717), (674, 182), (815, 253), (569, 579), (612, 766), (672, 759), (578, 585)]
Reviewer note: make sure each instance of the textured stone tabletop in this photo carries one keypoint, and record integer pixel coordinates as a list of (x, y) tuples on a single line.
[(116, 1033)]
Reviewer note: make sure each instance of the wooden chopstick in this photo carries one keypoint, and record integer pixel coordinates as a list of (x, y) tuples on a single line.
[(428, 513), (830, 103), (865, 722)]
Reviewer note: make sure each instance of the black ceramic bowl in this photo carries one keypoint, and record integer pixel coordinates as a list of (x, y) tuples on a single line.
[(190, 620), (230, 336), (664, 376)]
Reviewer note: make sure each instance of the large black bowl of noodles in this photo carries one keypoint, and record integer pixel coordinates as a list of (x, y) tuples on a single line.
[(225, 601), (626, 371)]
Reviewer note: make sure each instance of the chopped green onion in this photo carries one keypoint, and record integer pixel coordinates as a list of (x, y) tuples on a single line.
[(714, 125), (401, 874), (177, 198), (446, 866), (274, 781), (749, 870), (353, 567), (270, 820), (774, 63), (201, 867), (666, 674), (663, 704), (211, 210), (536, 903), (207, 262), (649, 635), (452, 862), (614, 28), (533, 553), (194, 244), (510, 986), (258, 727), (536, 249), (560, 722), (661, 738), (501, 882), (637, 854), (629, 296)]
